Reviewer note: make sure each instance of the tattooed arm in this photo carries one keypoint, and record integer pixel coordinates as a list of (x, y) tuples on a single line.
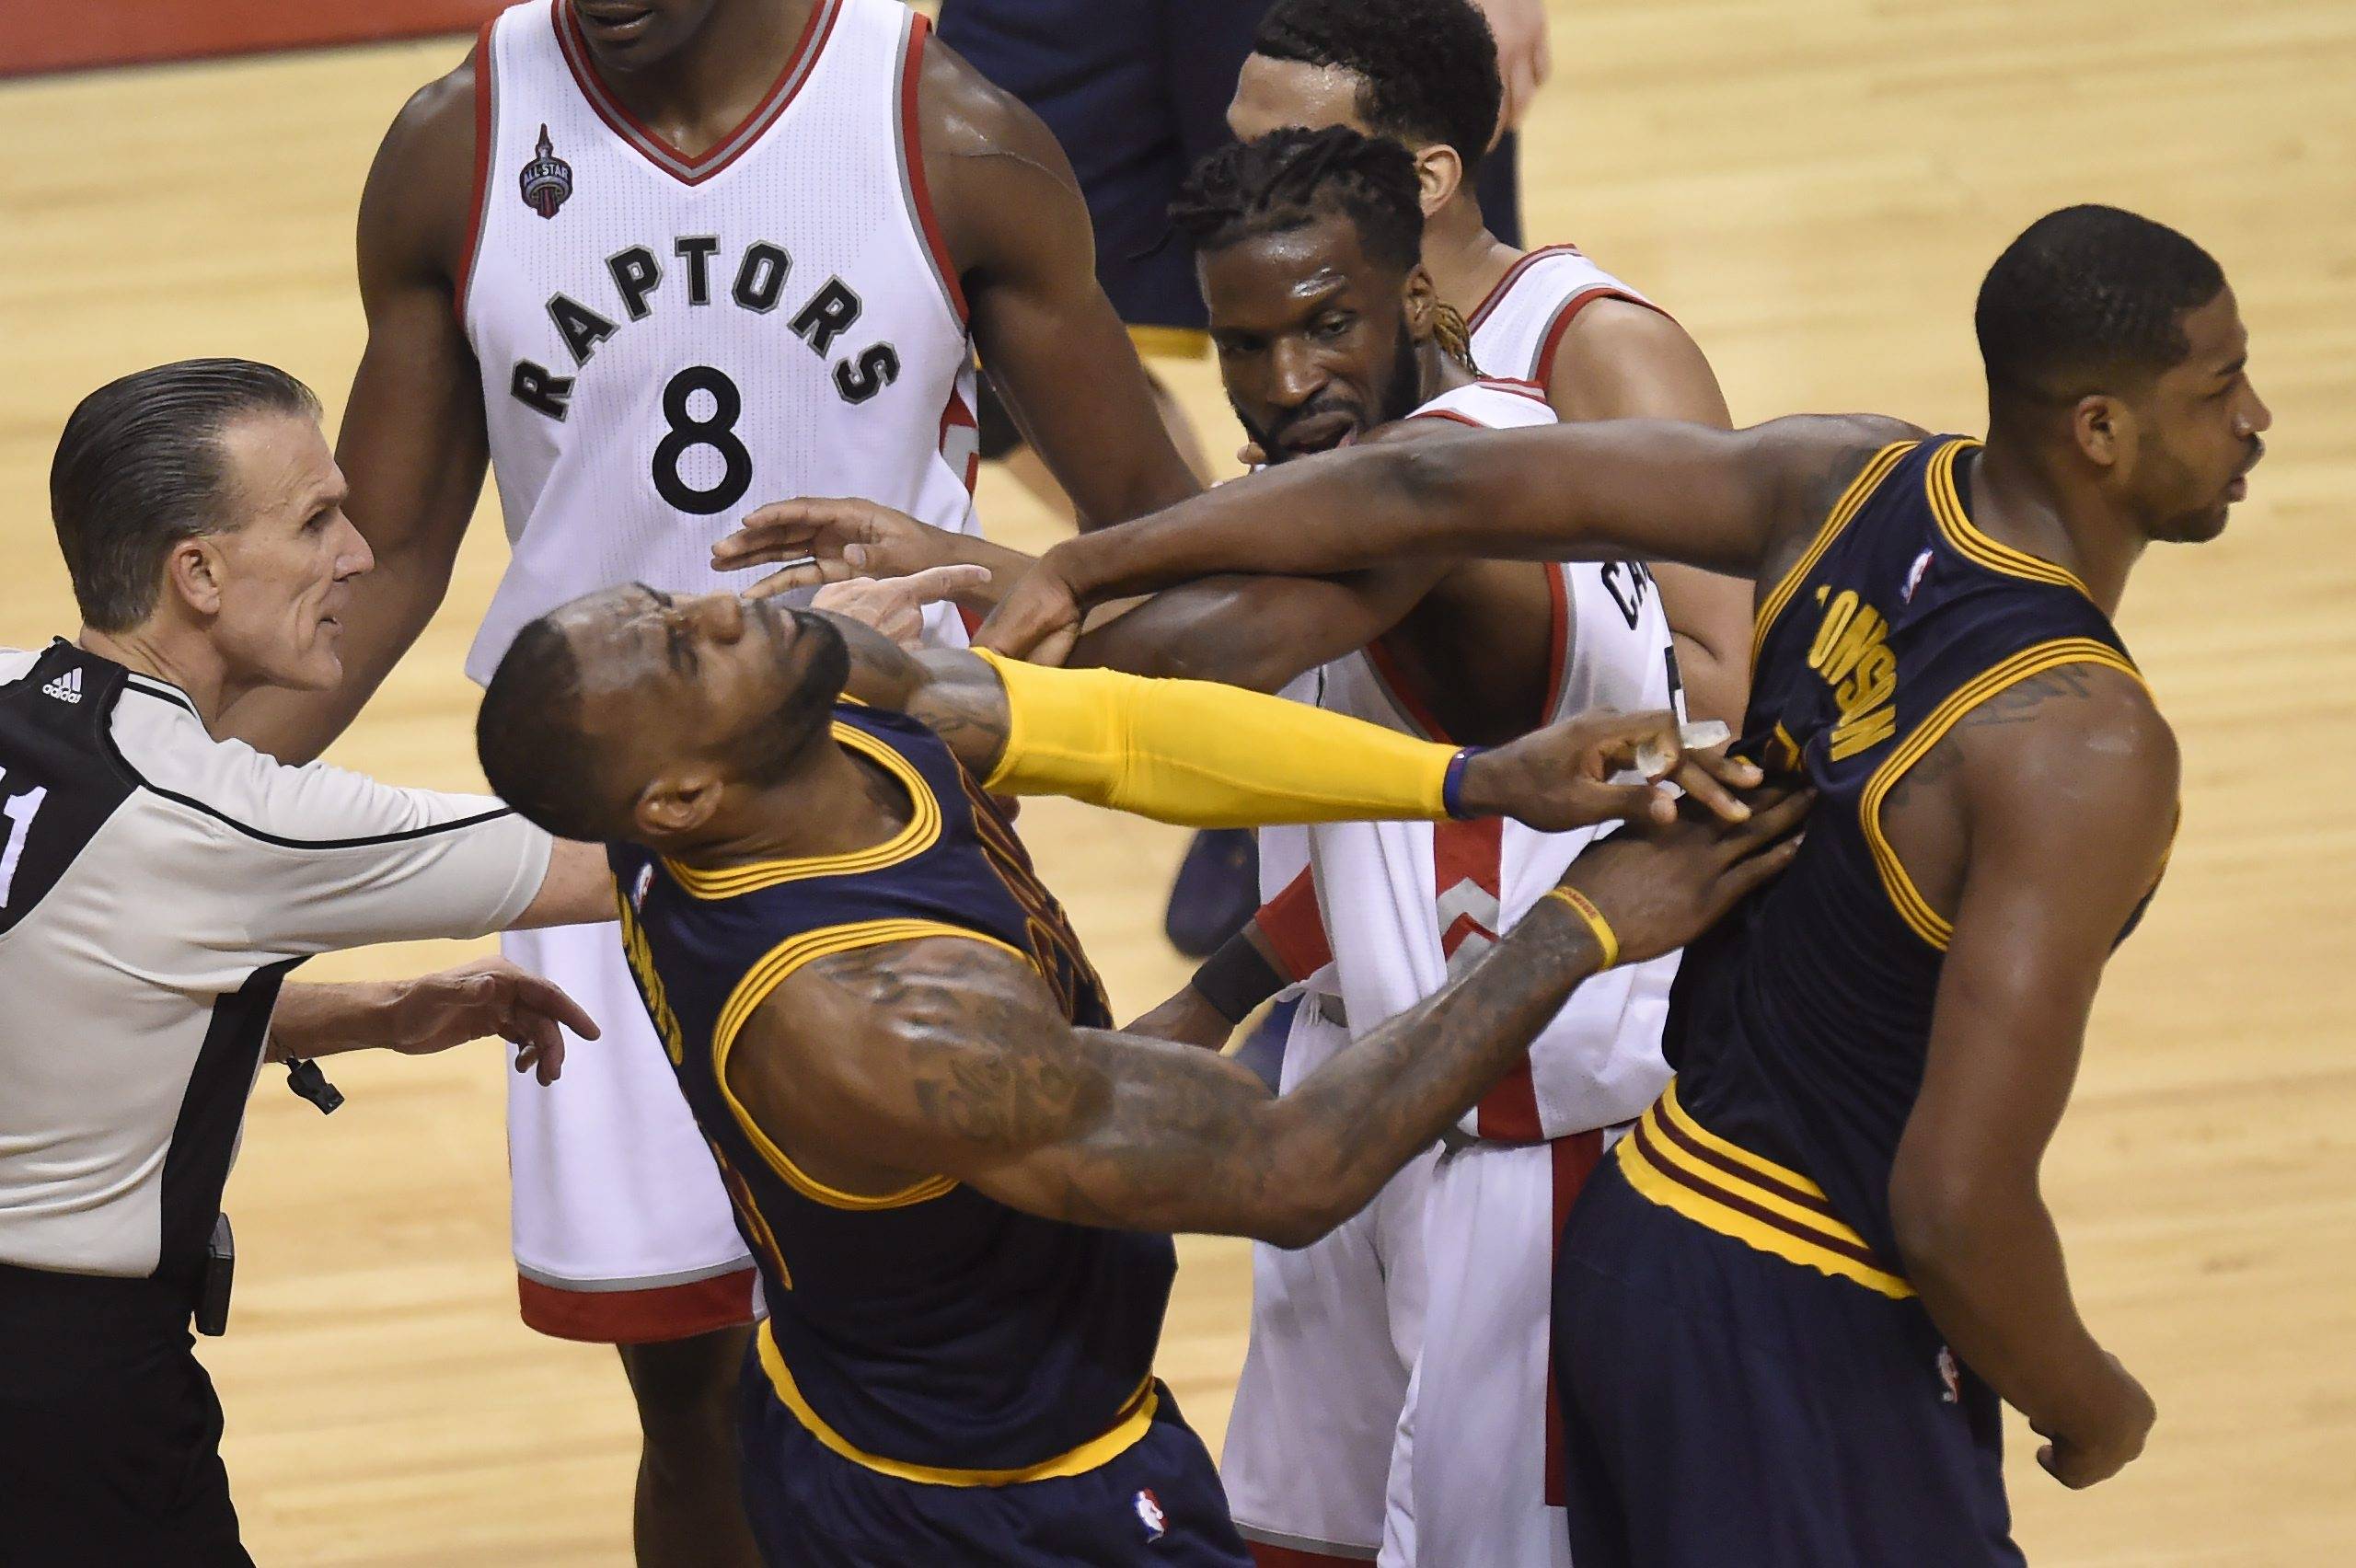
[(2061, 794), (1729, 500), (948, 1056)]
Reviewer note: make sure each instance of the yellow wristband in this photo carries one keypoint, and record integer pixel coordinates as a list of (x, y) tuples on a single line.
[(1584, 907)]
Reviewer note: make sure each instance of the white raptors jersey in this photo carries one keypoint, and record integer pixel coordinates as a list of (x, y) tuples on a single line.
[(1517, 328), (668, 342), (1408, 905)]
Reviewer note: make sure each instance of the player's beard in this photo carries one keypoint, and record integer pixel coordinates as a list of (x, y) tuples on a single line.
[(777, 746), (1401, 393)]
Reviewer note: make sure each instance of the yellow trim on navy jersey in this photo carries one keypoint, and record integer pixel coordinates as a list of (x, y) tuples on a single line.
[(1946, 505), (764, 977), (1135, 1419), (921, 831), (1843, 512), (1673, 1160), (1926, 922)]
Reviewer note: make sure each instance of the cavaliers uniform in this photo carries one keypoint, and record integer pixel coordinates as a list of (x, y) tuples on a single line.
[(1746, 1376), (668, 343), (942, 1378), (1395, 1399)]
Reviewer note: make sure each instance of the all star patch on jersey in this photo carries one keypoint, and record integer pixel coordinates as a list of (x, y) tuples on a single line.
[(546, 179)]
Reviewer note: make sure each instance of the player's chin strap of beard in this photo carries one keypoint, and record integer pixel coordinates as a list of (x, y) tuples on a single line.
[(1454, 337)]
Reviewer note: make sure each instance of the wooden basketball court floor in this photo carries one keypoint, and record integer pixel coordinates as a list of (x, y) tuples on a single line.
[(1814, 188)]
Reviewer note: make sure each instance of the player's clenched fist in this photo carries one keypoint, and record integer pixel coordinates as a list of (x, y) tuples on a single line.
[(1584, 771), (1658, 886)]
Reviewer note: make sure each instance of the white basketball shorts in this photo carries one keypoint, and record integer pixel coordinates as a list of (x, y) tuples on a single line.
[(623, 1234)]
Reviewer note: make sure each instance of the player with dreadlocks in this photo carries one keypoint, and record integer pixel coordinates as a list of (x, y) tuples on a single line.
[(1328, 333), (1424, 74)]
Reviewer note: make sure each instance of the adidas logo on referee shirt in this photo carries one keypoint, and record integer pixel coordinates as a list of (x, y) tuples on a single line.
[(66, 687)]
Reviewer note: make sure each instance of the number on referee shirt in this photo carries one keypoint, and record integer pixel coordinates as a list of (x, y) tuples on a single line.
[(18, 813)]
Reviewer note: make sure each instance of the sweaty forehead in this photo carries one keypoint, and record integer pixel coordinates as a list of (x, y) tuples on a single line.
[(1271, 94), (616, 638), (1268, 280), (278, 463)]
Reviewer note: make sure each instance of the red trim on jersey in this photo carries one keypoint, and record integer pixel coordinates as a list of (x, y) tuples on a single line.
[(1517, 387), (955, 415), (482, 173), (912, 160), (1504, 285), (1575, 1157), (799, 62), (1562, 323), (1450, 414), (638, 1317), (1558, 642), (1295, 929), (1392, 677), (1266, 1554)]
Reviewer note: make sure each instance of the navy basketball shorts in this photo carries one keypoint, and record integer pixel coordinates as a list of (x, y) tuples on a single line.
[(1158, 1502), (1723, 1408)]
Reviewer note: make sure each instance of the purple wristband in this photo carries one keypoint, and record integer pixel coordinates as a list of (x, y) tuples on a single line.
[(1451, 784)]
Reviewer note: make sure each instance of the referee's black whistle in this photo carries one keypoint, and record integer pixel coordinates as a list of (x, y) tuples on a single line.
[(303, 1076)]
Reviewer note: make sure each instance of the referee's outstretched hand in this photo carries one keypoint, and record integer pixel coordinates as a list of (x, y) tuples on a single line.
[(491, 995)]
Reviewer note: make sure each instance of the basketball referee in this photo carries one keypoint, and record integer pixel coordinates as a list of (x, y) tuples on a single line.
[(156, 887)]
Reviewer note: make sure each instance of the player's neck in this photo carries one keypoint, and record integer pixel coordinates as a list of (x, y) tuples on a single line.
[(1438, 372), (1466, 260), (832, 804), (708, 86), (189, 664), (2017, 500)]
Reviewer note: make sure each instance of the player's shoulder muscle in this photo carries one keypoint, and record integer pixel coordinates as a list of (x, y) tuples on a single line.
[(2076, 757), (1811, 460), (1618, 359), (414, 209), (993, 168)]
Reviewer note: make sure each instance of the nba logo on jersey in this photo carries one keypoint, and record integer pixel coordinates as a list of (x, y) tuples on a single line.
[(546, 179), (1150, 1514), (644, 879), (1914, 577), (1950, 1378)]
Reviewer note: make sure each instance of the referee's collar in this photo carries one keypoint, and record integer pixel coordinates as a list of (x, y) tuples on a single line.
[(132, 679)]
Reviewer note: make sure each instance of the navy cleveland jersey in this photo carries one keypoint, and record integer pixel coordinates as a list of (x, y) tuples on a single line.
[(933, 1329), (1799, 1027)]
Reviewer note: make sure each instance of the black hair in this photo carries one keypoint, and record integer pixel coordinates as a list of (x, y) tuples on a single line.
[(139, 467), (2088, 297), (1292, 178), (1427, 68), (530, 737)]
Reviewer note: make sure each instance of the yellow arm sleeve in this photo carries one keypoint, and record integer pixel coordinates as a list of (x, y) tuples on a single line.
[(1204, 755)]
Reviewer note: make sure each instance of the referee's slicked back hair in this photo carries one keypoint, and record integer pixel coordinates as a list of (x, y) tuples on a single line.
[(1430, 67), (2089, 299), (530, 737), (139, 469), (1292, 178)]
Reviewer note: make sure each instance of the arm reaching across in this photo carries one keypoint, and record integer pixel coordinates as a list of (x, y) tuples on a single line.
[(2069, 787), (945, 1056), (1740, 501), (431, 1012), (1210, 755)]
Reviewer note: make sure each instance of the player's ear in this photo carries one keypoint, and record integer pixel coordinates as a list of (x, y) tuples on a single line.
[(1422, 304), (2104, 428), (1438, 174), (196, 570), (676, 803)]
